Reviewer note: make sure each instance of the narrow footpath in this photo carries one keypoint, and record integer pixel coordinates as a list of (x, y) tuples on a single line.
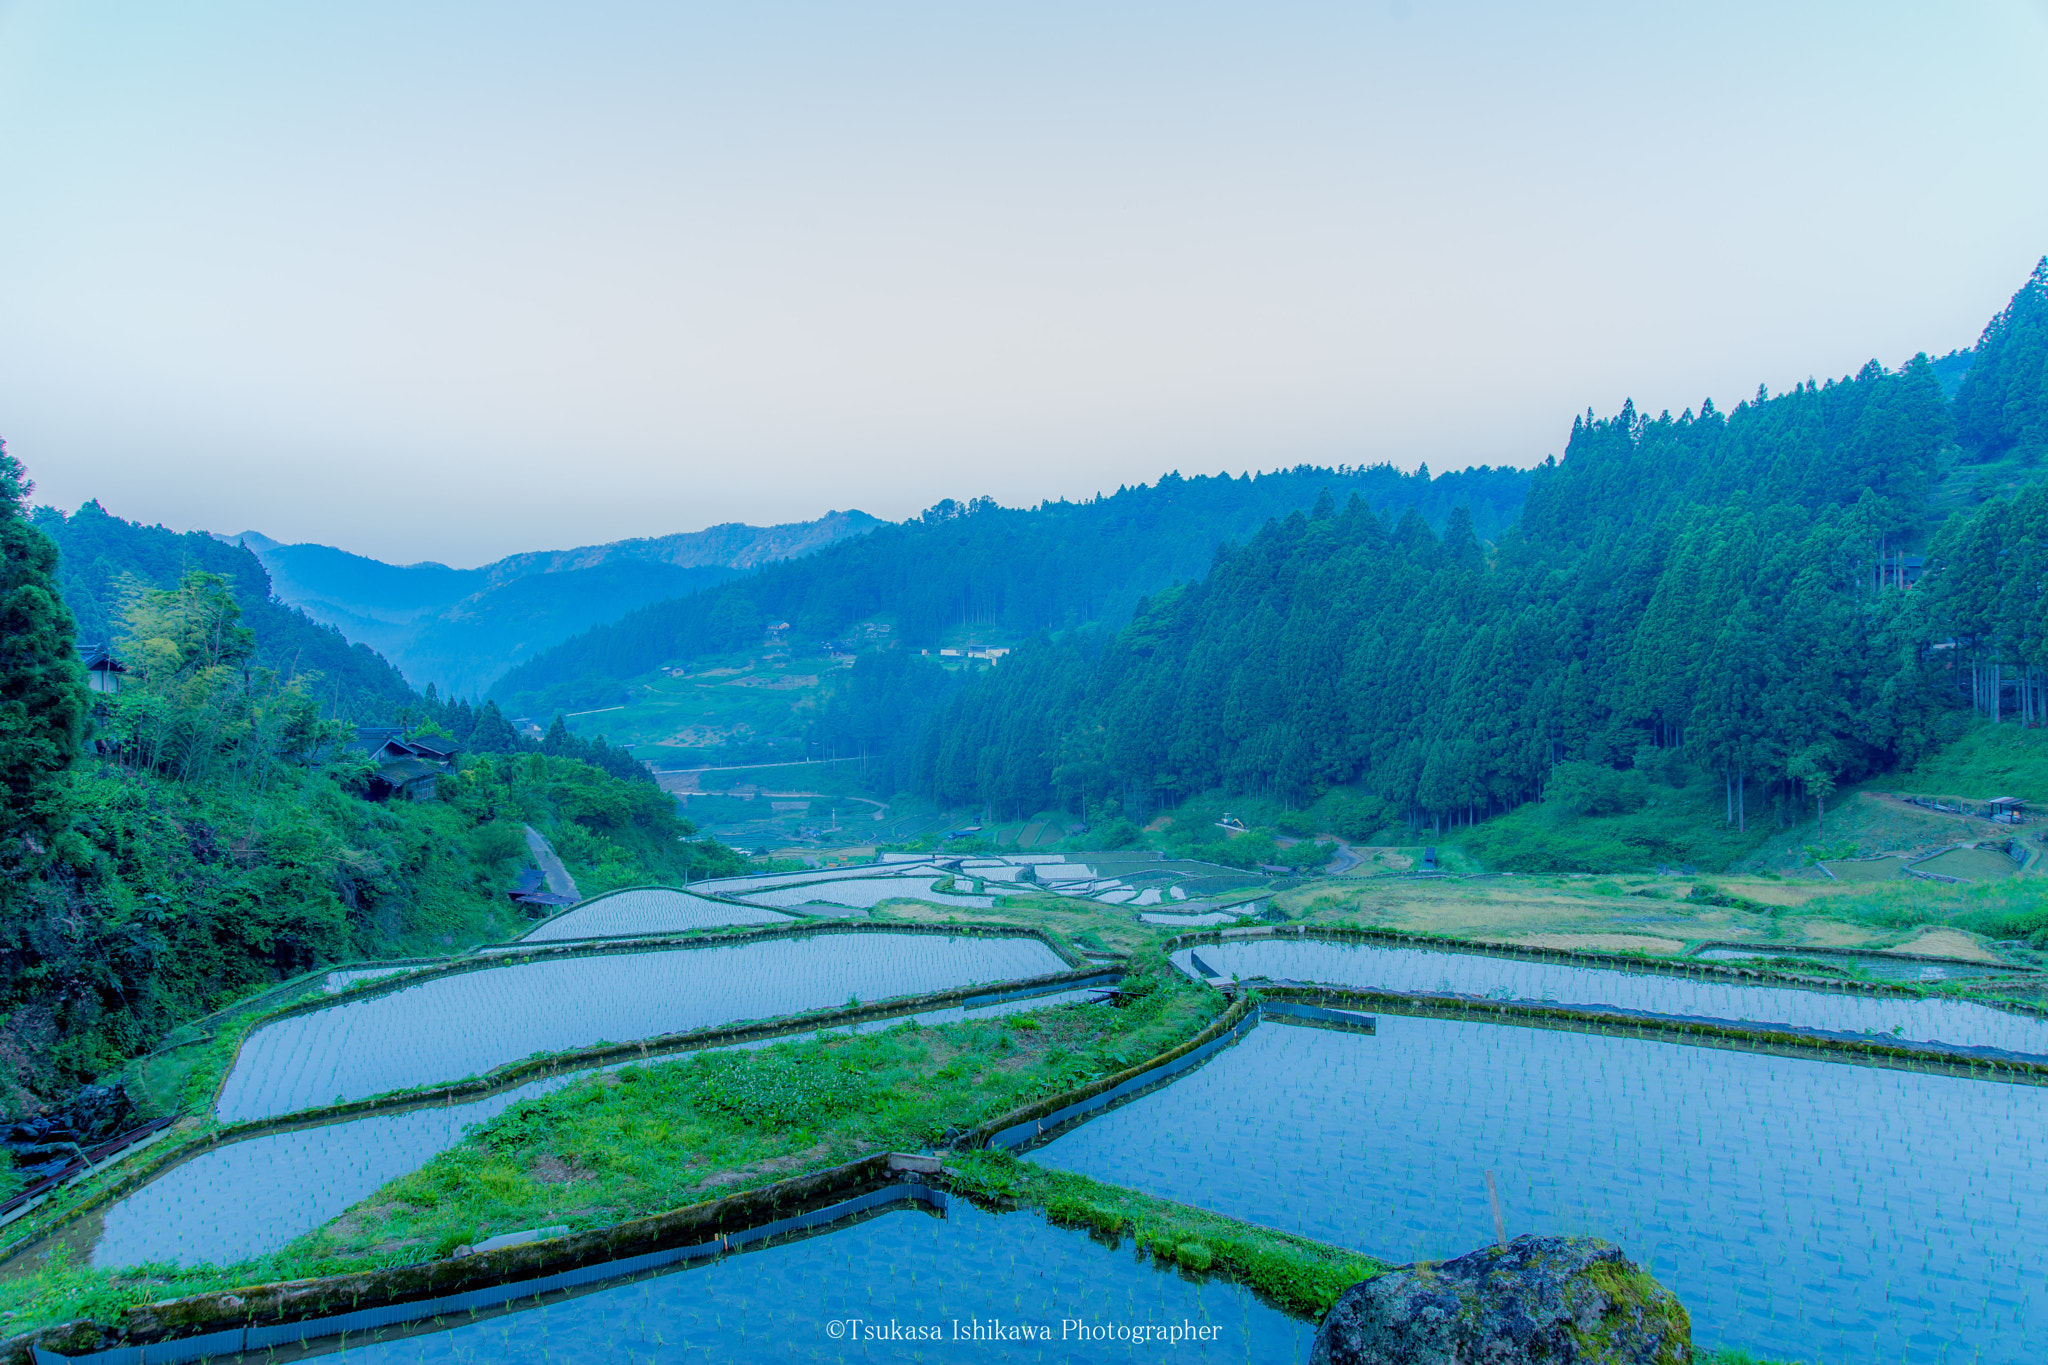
[(559, 880)]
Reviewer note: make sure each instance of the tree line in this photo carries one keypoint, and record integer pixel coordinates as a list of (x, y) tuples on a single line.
[(1058, 566), (1705, 582)]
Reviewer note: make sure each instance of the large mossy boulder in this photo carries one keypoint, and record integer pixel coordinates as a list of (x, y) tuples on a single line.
[(1553, 1300)]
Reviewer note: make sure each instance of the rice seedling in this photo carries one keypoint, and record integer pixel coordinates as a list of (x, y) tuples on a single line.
[(454, 1026)]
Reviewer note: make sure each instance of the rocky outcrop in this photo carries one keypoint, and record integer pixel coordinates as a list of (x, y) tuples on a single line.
[(1539, 1300), (42, 1146)]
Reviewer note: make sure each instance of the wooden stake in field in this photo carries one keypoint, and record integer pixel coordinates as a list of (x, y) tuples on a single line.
[(1500, 1228)]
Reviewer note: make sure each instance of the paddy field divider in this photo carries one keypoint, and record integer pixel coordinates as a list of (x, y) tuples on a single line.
[(1780, 1042), (298, 1312), (294, 1313), (1583, 957), (198, 1139), (1030, 1123), (391, 985)]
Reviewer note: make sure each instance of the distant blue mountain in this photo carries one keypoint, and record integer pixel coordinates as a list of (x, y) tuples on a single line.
[(462, 628)]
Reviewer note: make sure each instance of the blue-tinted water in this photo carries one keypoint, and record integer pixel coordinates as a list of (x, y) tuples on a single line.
[(1802, 1210), (646, 910), (864, 893), (248, 1198), (451, 1027), (252, 1197), (903, 1268), (1418, 971)]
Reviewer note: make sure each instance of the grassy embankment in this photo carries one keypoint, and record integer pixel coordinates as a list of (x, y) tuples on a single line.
[(1293, 1273), (664, 1135), (1673, 814)]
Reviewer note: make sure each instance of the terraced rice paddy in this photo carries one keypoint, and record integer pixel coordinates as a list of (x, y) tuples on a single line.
[(903, 1266), (1203, 920), (1802, 1210), (646, 910), (730, 885), (1411, 971), (865, 893), (1883, 966), (340, 981), (252, 1197), (1970, 864), (1867, 870), (465, 1024)]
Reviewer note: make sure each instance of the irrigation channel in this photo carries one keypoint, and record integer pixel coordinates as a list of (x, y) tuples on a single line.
[(1808, 1199)]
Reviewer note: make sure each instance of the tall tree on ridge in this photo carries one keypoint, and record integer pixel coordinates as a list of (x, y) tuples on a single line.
[(42, 690)]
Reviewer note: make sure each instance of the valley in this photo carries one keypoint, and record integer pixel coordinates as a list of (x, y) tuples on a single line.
[(1284, 878)]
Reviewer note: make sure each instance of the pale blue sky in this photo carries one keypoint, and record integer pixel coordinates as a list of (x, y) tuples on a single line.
[(448, 281)]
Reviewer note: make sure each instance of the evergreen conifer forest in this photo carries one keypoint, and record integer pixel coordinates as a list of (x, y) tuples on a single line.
[(1717, 594)]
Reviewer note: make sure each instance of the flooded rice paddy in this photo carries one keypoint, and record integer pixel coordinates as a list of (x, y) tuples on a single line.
[(864, 893), (465, 1024), (1412, 971), (1878, 965), (1201, 920), (904, 1267), (1970, 865), (1803, 1210), (758, 881), (254, 1196), (339, 981), (647, 910)]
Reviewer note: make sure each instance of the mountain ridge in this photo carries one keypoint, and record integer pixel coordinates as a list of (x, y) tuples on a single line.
[(462, 628)]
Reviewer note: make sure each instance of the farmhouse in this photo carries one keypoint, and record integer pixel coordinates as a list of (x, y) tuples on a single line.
[(405, 767), (103, 672)]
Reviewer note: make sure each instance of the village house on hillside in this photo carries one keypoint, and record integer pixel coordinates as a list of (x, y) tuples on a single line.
[(103, 672), (405, 767)]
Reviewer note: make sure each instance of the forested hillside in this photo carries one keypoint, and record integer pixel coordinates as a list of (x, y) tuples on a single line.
[(102, 558), (465, 646), (461, 628), (1702, 590), (206, 830), (1052, 567)]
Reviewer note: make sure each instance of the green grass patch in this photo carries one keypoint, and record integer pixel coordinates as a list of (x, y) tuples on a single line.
[(650, 1138), (1986, 761), (1297, 1275), (1674, 833), (664, 1135), (2016, 908)]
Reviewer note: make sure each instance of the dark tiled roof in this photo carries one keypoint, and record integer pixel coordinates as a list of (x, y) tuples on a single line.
[(371, 738), (100, 656), (433, 746)]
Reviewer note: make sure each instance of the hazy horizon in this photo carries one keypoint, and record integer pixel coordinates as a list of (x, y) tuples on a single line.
[(454, 283)]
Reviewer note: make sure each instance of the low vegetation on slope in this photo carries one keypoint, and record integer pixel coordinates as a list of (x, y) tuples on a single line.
[(1987, 761)]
